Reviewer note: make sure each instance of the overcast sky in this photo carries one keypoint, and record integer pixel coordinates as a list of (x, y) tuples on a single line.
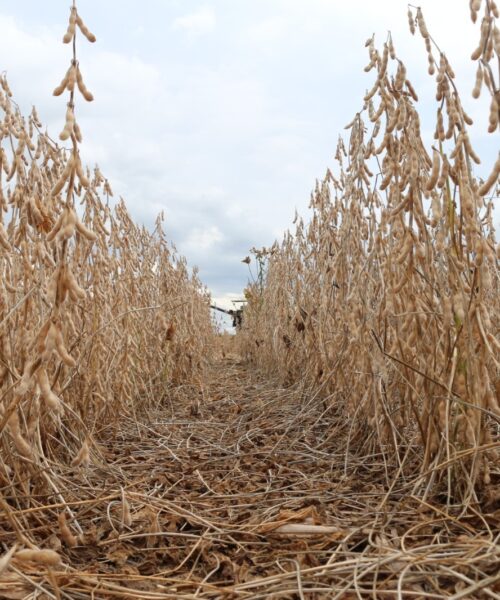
[(223, 113)]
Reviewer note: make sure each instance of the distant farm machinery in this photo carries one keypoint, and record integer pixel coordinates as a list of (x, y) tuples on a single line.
[(236, 314)]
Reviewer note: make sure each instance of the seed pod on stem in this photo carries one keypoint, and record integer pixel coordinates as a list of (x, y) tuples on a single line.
[(421, 24), (411, 21), (61, 349), (494, 114), (42, 557), (83, 456), (469, 148), (67, 229), (62, 86), (431, 182), (64, 177), (126, 515), (411, 90), (485, 25), (81, 86), (4, 241), (87, 233), (20, 443), (84, 29), (475, 6), (68, 538), (48, 395), (68, 36), (436, 208), (74, 290), (479, 82), (71, 78), (77, 132), (69, 125), (81, 175), (492, 179)]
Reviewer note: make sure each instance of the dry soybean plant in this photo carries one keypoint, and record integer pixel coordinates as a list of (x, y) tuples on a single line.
[(98, 316), (387, 301)]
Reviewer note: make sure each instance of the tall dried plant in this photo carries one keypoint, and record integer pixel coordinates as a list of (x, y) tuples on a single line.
[(99, 317), (387, 302)]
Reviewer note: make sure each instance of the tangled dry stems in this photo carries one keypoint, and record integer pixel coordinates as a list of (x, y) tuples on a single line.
[(252, 498)]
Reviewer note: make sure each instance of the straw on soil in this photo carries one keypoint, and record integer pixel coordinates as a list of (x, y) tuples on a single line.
[(253, 498)]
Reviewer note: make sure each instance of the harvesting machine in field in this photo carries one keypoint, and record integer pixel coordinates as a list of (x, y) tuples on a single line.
[(236, 314)]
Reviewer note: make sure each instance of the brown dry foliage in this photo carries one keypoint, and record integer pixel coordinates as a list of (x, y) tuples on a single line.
[(98, 316), (387, 301)]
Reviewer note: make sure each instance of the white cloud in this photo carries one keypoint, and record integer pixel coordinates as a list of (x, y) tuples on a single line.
[(201, 240), (269, 31), (197, 23), (139, 31)]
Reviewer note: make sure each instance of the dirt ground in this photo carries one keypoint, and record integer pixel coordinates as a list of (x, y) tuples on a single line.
[(248, 490)]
